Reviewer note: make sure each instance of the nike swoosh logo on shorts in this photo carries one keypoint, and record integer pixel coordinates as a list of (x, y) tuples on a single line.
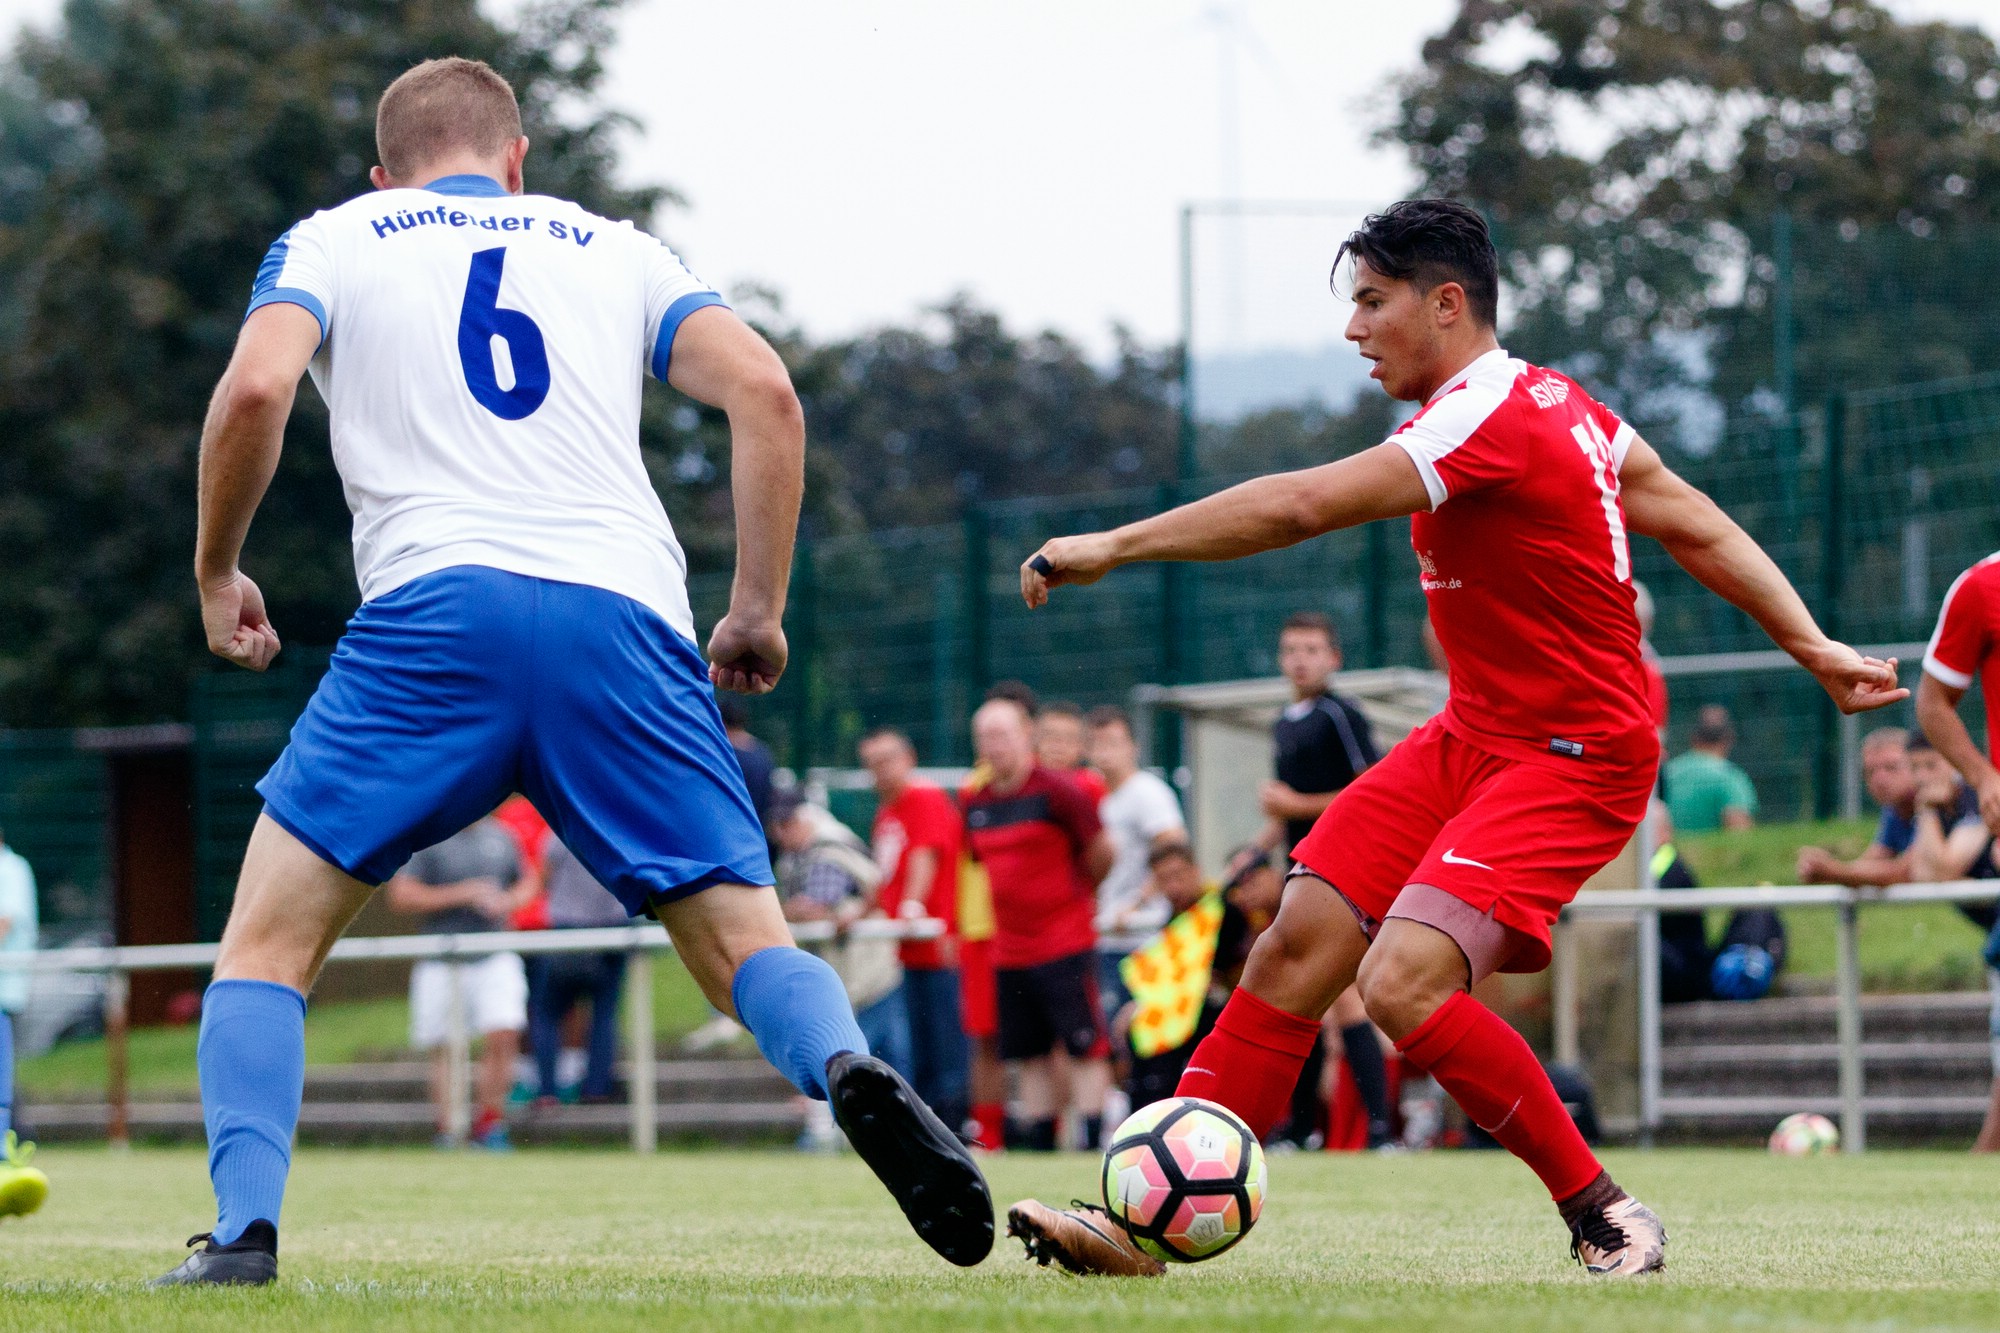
[(1451, 860)]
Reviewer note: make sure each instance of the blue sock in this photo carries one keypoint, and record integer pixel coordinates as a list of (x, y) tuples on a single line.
[(252, 1060), (6, 1072), (796, 1008)]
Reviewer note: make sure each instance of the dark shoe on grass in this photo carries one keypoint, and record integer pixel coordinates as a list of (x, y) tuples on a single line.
[(251, 1260), (926, 1168)]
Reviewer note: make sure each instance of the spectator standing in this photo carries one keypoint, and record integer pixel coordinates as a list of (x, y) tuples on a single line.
[(22, 1187), (1890, 777), (1045, 852), (826, 874), (918, 839), (1141, 815), (1962, 650), (1323, 742), (1705, 790), (559, 982), (469, 883), (759, 766), (1060, 742), (517, 814)]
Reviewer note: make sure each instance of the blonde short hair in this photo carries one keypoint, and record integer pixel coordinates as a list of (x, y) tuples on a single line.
[(441, 107)]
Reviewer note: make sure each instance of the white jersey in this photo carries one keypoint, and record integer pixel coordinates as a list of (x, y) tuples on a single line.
[(482, 359)]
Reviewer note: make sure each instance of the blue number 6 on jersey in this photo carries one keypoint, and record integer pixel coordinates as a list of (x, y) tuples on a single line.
[(479, 322)]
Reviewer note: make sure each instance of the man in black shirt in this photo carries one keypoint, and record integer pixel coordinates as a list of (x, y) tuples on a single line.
[(1323, 743)]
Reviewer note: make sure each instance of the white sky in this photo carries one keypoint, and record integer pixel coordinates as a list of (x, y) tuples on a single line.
[(869, 157)]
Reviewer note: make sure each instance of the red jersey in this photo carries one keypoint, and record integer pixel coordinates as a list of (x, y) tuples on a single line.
[(921, 816), (1088, 781), (1031, 841), (1968, 631), (530, 831), (1526, 568)]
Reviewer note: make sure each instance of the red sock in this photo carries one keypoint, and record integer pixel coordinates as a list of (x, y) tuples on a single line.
[(991, 1118), (1493, 1076), (1251, 1061)]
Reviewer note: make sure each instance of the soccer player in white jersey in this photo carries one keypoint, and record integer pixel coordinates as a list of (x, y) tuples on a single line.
[(1451, 858), (524, 624)]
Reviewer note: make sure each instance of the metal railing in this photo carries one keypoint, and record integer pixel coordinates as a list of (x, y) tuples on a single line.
[(1648, 903), (637, 942), (641, 942)]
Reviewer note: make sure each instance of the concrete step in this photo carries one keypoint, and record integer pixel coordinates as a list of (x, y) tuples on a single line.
[(705, 1081), (1918, 1068), (717, 1080), (1958, 1015), (1907, 1120), (411, 1122), (729, 1099)]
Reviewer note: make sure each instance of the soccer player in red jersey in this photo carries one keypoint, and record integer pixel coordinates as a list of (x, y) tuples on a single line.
[(1965, 647), (1450, 859)]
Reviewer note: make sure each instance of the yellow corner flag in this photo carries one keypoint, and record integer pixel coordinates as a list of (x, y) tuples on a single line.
[(1168, 977)]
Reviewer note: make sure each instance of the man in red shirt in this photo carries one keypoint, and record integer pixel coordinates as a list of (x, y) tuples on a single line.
[(1961, 650), (1450, 859), (1059, 747), (1044, 851), (917, 840)]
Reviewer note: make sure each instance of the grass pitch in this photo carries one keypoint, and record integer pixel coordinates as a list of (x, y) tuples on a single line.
[(557, 1240)]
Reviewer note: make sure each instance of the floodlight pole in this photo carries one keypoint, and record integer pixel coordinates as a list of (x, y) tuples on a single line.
[(1185, 462), (1783, 335)]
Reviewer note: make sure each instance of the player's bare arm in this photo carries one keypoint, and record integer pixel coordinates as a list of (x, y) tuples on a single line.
[(240, 442), (721, 361), (1708, 544), (1280, 801), (920, 878), (1098, 858), (1937, 714), (1261, 515)]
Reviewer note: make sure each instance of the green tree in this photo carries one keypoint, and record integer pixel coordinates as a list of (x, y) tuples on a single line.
[(150, 151), (959, 408), (1635, 154)]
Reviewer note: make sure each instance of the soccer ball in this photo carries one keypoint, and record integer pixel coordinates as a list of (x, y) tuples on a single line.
[(1804, 1134), (1185, 1178)]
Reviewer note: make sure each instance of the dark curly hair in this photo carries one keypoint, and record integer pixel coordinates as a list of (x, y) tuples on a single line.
[(1430, 242)]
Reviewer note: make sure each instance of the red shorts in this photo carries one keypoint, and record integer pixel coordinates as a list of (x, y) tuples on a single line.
[(1510, 840), (978, 989)]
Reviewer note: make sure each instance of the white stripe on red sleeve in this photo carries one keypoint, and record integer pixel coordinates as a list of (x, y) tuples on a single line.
[(1446, 425)]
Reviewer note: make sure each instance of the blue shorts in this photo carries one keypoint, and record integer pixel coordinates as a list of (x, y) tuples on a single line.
[(464, 686)]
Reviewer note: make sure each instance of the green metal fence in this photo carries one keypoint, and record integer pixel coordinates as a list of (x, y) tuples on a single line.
[(241, 722), (53, 800), (1871, 502)]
